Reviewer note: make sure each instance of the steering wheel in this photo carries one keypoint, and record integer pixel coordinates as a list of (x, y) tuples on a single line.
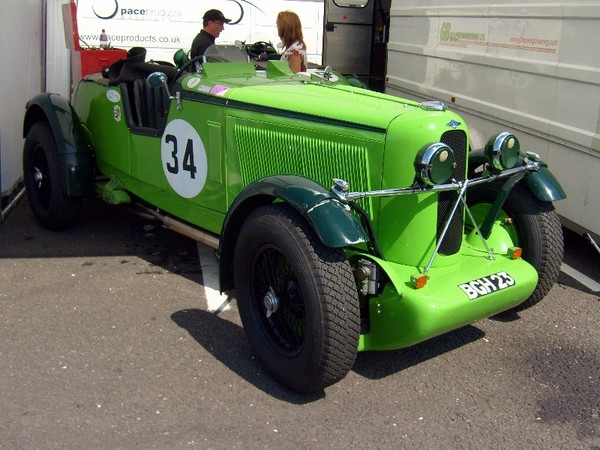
[(261, 46), (184, 69)]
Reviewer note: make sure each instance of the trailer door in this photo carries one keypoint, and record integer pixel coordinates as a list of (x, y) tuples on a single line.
[(347, 36)]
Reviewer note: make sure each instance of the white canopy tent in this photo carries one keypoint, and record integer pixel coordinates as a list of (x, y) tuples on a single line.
[(35, 59)]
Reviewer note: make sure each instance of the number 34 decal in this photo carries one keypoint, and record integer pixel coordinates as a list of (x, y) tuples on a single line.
[(183, 158)]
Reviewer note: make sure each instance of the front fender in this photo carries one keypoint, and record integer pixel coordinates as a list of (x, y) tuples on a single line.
[(543, 184), (75, 154), (331, 220)]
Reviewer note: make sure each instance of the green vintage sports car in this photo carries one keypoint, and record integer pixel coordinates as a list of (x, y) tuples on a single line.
[(345, 220)]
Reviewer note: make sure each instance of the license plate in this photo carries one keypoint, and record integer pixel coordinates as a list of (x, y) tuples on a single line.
[(486, 285)]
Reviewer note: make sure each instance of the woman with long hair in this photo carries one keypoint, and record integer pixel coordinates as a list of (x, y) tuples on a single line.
[(290, 33)]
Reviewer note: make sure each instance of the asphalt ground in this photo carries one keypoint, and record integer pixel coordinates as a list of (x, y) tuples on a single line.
[(106, 342)]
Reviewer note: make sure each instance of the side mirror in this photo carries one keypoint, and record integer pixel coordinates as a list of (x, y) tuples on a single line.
[(158, 79)]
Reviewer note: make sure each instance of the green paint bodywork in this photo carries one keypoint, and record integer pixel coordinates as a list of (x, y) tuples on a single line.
[(402, 315), (274, 136)]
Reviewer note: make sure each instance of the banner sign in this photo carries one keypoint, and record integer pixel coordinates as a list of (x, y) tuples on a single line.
[(164, 26)]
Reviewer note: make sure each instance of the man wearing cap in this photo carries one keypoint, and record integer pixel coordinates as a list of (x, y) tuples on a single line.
[(213, 23)]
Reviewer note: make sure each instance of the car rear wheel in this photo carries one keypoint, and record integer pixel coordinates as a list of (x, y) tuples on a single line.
[(43, 180), (297, 300), (532, 225)]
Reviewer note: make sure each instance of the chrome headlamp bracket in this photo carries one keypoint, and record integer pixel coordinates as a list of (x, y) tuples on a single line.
[(341, 188)]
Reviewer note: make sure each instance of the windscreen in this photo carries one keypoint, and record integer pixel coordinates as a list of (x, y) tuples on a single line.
[(225, 53)]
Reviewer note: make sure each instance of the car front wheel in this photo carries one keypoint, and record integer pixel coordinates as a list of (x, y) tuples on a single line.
[(297, 300)]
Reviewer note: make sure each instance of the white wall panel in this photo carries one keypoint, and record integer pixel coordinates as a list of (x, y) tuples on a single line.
[(22, 69)]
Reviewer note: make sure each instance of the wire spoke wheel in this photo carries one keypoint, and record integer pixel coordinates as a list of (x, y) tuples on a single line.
[(277, 291), (297, 300)]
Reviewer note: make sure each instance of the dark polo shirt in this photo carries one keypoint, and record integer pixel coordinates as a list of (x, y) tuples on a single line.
[(201, 42)]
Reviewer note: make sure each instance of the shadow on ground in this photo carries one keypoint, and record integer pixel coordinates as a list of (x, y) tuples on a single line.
[(375, 365), (227, 342), (101, 230)]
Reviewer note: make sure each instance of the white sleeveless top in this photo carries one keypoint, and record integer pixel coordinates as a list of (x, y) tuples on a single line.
[(298, 48)]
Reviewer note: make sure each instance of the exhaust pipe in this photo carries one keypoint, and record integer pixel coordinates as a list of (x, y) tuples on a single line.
[(204, 237), (12, 203), (591, 240)]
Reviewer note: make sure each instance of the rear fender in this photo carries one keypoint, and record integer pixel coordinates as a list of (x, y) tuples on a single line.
[(331, 220), (75, 153)]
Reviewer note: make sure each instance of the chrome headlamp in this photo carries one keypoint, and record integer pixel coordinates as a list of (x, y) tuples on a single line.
[(435, 163), (502, 151)]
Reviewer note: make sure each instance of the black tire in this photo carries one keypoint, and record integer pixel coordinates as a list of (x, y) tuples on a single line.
[(534, 226), (43, 180), (310, 339)]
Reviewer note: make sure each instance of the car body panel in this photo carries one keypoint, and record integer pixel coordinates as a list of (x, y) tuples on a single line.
[(403, 316)]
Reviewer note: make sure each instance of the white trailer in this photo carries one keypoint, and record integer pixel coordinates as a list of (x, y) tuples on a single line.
[(530, 67)]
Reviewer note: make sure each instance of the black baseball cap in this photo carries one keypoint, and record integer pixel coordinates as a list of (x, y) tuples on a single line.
[(216, 15)]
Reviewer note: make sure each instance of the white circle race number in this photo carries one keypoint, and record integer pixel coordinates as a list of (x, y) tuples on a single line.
[(183, 158)]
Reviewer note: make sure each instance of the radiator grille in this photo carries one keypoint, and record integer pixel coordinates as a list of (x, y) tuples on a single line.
[(457, 141), (271, 152)]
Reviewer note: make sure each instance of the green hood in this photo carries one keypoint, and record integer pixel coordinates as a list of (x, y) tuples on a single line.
[(342, 103)]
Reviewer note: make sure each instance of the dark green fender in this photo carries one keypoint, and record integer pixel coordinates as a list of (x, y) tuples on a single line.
[(543, 184), (75, 154), (331, 220)]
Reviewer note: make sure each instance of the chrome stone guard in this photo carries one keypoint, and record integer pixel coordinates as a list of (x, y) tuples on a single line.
[(340, 189)]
